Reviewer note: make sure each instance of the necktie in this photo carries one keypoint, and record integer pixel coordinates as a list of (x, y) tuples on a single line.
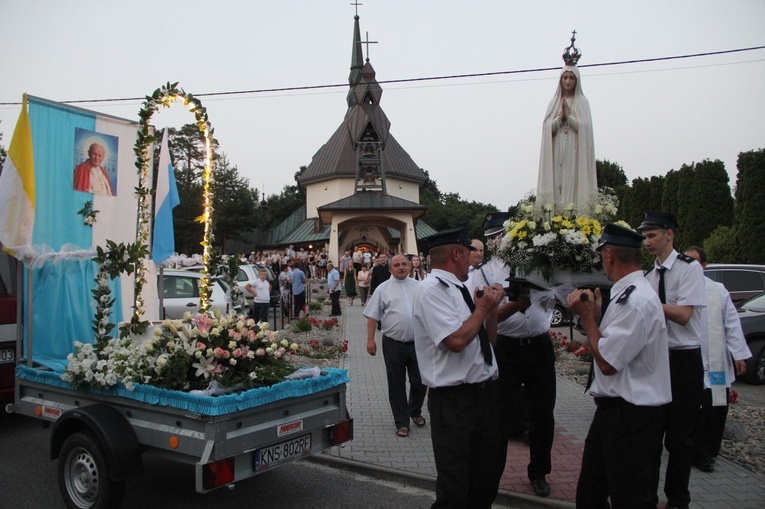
[(590, 375), (662, 291), (483, 334)]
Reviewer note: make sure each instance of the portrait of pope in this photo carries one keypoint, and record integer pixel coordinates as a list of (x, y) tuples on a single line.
[(92, 175)]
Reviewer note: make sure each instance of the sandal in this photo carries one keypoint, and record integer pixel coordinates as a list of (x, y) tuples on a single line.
[(419, 421), (402, 432)]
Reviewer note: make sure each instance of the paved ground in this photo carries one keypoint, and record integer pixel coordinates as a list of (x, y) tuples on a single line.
[(377, 451)]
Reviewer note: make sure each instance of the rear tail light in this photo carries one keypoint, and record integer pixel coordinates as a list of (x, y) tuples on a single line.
[(341, 432), (218, 473)]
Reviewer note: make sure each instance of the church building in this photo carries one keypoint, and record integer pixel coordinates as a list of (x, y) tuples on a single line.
[(362, 188)]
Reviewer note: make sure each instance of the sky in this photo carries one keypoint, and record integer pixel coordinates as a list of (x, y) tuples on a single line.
[(479, 137)]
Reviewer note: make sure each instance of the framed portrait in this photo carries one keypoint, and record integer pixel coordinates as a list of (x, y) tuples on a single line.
[(95, 162)]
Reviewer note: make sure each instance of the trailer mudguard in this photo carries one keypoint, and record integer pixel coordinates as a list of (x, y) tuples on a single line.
[(120, 445)]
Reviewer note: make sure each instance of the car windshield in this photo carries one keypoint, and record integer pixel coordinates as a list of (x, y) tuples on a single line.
[(756, 304)]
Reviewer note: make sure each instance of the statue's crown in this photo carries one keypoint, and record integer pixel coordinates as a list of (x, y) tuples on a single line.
[(571, 54)]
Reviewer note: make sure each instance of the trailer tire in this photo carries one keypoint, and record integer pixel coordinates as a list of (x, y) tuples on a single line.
[(83, 476)]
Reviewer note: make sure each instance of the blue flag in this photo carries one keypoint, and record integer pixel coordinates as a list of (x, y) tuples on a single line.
[(166, 200)]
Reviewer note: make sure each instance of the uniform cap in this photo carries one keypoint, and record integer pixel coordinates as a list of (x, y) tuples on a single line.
[(495, 223), (616, 235), (450, 236)]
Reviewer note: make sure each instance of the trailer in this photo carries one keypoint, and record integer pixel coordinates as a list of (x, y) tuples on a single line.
[(100, 436), (99, 432)]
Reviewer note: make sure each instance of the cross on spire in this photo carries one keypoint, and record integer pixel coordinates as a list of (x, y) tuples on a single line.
[(356, 5), (368, 42)]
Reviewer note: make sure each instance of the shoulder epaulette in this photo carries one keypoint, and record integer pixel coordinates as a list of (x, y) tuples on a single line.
[(649, 270), (442, 282), (625, 294), (684, 257)]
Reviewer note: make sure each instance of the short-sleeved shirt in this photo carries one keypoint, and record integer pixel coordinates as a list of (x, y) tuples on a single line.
[(392, 305), (634, 342), (367, 257), (531, 322), (298, 286), (684, 286), (439, 311), (357, 256), (263, 289), (333, 276)]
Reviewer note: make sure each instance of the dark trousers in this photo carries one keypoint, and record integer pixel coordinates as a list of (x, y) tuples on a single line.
[(710, 427), (686, 373), (400, 359), (260, 311), (299, 303), (335, 298), (618, 453), (528, 364), (468, 448)]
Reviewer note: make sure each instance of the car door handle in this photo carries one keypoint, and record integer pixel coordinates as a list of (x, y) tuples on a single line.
[(190, 305)]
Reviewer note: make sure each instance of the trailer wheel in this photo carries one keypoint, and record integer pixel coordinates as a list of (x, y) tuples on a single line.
[(83, 476)]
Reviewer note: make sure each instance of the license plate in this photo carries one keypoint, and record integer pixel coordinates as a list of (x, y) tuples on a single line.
[(282, 451), (7, 356)]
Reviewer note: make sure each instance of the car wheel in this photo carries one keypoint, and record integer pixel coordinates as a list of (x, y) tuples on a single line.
[(556, 318), (755, 367)]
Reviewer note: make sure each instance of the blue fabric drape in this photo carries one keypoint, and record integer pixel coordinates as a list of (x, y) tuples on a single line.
[(63, 305)]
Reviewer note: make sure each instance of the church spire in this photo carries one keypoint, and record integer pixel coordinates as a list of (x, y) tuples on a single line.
[(357, 56)]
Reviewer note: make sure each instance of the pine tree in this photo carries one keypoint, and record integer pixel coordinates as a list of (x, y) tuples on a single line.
[(750, 197)]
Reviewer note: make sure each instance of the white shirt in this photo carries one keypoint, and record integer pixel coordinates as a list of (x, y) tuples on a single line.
[(684, 286), (533, 321), (439, 311), (392, 305), (263, 289), (634, 342)]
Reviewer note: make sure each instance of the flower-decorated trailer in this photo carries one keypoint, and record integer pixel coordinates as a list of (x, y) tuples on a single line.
[(213, 389)]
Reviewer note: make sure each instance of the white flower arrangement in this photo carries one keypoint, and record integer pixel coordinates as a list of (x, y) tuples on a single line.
[(537, 240)]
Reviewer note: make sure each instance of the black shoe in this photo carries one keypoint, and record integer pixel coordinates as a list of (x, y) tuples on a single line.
[(675, 506), (540, 487), (705, 465)]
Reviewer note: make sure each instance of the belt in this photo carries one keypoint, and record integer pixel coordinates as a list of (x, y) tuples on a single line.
[(684, 352), (463, 387), (604, 402), (397, 340), (522, 341)]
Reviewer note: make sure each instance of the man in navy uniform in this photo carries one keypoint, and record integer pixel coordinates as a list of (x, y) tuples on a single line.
[(631, 383), (679, 281), (453, 331), (526, 361)]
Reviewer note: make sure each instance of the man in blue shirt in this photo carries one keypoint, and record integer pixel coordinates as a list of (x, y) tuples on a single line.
[(333, 283), (298, 290)]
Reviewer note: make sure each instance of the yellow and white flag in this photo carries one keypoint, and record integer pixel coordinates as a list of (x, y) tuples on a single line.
[(17, 189)]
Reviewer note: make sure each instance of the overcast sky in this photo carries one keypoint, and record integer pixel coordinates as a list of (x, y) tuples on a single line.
[(478, 137)]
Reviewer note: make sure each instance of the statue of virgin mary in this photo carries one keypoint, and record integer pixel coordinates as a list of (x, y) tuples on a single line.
[(567, 159)]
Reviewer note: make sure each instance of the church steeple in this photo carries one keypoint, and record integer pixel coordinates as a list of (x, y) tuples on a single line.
[(357, 60)]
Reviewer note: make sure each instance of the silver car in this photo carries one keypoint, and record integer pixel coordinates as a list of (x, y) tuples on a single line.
[(180, 293)]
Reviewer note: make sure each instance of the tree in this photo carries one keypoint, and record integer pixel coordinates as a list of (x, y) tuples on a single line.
[(722, 246), (644, 196), (610, 174), (233, 202), (187, 151), (710, 203), (750, 196), (3, 154)]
